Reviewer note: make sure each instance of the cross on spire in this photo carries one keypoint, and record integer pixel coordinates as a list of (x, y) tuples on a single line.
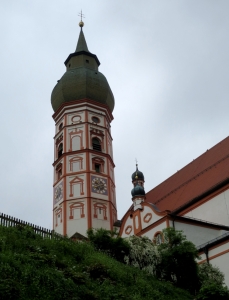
[(136, 162), (81, 23), (81, 15)]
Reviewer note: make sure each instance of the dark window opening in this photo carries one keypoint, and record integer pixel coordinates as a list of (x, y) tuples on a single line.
[(100, 211), (96, 144), (87, 61), (69, 65), (60, 126), (95, 120), (60, 150), (59, 174), (97, 168), (96, 73)]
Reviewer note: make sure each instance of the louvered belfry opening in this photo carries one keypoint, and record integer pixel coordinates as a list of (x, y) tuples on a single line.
[(96, 145), (97, 168), (60, 150)]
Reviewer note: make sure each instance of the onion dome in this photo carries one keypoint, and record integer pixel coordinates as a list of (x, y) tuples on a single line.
[(138, 190), (82, 79), (137, 175)]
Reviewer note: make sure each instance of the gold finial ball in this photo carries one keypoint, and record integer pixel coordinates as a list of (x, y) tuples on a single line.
[(81, 24)]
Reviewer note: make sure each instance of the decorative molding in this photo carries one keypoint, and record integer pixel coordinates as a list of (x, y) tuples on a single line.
[(78, 205), (102, 207), (72, 134), (59, 139), (98, 134), (98, 160), (74, 160), (59, 166), (58, 214), (158, 238), (76, 119), (147, 217), (128, 229), (74, 181)]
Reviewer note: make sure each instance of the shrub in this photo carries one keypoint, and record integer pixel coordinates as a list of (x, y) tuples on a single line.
[(109, 242), (143, 254), (178, 261)]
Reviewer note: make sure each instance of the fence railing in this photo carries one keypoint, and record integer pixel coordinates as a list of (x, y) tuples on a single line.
[(9, 221)]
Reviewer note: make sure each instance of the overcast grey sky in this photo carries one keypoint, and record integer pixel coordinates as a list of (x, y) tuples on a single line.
[(166, 62)]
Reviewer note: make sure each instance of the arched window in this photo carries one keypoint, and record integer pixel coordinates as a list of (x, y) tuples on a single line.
[(96, 145), (60, 150), (60, 126), (59, 171), (158, 238), (97, 168)]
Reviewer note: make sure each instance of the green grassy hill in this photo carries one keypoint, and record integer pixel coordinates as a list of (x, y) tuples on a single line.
[(35, 268)]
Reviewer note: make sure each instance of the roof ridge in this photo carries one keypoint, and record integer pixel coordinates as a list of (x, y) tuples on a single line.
[(191, 179), (174, 174), (203, 221)]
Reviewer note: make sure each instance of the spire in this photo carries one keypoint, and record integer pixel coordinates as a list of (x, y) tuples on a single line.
[(81, 45), (136, 177)]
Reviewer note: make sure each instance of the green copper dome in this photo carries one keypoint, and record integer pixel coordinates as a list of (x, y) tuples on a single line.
[(137, 175), (138, 190), (82, 79)]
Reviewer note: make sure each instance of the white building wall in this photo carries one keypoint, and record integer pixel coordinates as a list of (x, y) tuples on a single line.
[(222, 263), (97, 115), (198, 234), (215, 210), (76, 117), (74, 189), (150, 234), (145, 216), (219, 257), (78, 225), (97, 223), (129, 222)]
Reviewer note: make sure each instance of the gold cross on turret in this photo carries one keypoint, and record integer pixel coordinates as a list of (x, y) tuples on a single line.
[(81, 23), (136, 162)]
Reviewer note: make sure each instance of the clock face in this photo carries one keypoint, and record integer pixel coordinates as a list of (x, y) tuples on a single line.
[(58, 193), (99, 185)]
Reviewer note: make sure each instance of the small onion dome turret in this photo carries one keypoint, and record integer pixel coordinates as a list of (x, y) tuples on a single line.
[(138, 190), (82, 79), (137, 175)]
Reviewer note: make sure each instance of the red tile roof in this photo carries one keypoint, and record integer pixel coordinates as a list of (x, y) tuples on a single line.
[(203, 173)]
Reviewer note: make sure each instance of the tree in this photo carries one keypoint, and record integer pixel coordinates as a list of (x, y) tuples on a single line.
[(178, 261), (213, 291), (212, 283), (208, 274), (109, 242), (143, 254)]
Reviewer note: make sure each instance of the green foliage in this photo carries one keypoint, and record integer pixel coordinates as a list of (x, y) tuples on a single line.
[(109, 242), (178, 261), (213, 291), (35, 268), (173, 261), (143, 254), (209, 274), (212, 283)]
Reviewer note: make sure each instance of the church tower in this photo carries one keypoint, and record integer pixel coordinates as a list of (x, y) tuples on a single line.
[(138, 191), (84, 184)]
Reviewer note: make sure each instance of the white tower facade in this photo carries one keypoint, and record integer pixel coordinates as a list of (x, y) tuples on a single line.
[(84, 183)]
